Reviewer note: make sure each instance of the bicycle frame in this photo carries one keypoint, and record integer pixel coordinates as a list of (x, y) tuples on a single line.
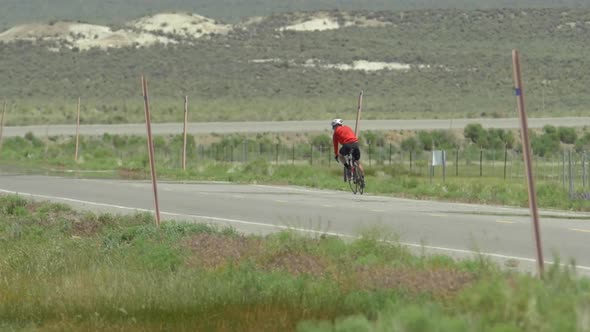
[(356, 182)]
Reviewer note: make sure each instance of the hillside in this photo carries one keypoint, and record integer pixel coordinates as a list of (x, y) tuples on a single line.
[(163, 29), (16, 12), (411, 64)]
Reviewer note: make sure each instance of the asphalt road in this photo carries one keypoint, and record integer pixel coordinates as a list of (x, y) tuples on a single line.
[(286, 126), (457, 230)]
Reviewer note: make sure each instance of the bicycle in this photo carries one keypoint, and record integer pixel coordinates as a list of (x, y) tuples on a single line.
[(355, 180)]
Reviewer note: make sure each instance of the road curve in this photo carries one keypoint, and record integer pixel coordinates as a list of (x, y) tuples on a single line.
[(458, 230), (285, 126)]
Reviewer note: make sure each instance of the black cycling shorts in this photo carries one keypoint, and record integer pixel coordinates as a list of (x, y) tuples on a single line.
[(351, 148)]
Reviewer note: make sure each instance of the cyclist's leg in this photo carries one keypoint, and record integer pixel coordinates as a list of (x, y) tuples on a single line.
[(344, 150), (356, 154), (361, 170)]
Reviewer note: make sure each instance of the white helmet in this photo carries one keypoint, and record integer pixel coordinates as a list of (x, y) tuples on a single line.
[(336, 122)]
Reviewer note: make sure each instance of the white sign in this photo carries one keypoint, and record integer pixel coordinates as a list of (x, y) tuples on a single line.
[(439, 157)]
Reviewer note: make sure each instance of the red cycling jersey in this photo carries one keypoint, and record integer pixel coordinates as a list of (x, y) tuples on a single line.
[(343, 135)]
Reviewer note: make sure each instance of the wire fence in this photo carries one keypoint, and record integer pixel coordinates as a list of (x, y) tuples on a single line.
[(569, 169)]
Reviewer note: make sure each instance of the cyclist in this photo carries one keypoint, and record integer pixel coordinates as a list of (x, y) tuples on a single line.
[(344, 136)]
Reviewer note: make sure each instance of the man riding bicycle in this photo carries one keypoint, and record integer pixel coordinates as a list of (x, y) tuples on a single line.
[(344, 136)]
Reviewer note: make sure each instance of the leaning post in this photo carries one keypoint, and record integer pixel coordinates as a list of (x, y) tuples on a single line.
[(519, 91), (150, 143), (358, 114), (184, 133), (77, 131), (2, 122)]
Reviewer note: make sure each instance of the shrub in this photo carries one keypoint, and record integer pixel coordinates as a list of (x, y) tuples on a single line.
[(499, 138), (583, 143), (321, 140), (410, 144), (476, 134), (545, 144), (439, 139), (567, 135)]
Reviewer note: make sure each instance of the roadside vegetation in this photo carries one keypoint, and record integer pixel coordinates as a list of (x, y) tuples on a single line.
[(69, 270), (483, 166)]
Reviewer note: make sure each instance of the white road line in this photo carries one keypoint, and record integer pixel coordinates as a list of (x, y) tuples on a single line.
[(298, 189), (580, 230), (303, 230), (471, 208), (505, 221)]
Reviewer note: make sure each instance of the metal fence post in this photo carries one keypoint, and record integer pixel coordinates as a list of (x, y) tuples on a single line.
[(505, 160), (563, 169), (480, 162), (389, 154), (369, 154), (584, 178), (457, 163), (570, 172), (430, 166), (444, 165)]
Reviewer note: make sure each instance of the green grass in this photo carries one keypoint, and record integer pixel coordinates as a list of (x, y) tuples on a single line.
[(126, 157), (69, 270)]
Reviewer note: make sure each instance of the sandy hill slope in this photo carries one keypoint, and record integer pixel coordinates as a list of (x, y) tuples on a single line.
[(180, 24), (173, 28), (165, 28), (320, 21)]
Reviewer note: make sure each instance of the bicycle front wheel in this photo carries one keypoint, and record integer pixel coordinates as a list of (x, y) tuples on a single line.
[(361, 185), (352, 181), (353, 185)]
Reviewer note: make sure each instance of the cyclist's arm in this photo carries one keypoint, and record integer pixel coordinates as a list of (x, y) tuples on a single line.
[(335, 142)]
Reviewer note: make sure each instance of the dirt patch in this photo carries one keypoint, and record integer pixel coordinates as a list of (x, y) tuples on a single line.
[(442, 282), (215, 251), (84, 227), (296, 263), (132, 174)]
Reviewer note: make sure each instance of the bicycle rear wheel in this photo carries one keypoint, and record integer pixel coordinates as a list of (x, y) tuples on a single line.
[(359, 179), (353, 181)]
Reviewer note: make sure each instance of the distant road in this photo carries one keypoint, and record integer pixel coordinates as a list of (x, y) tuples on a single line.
[(286, 126)]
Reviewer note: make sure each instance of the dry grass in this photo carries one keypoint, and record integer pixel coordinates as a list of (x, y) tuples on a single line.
[(213, 251), (439, 282), (132, 174)]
